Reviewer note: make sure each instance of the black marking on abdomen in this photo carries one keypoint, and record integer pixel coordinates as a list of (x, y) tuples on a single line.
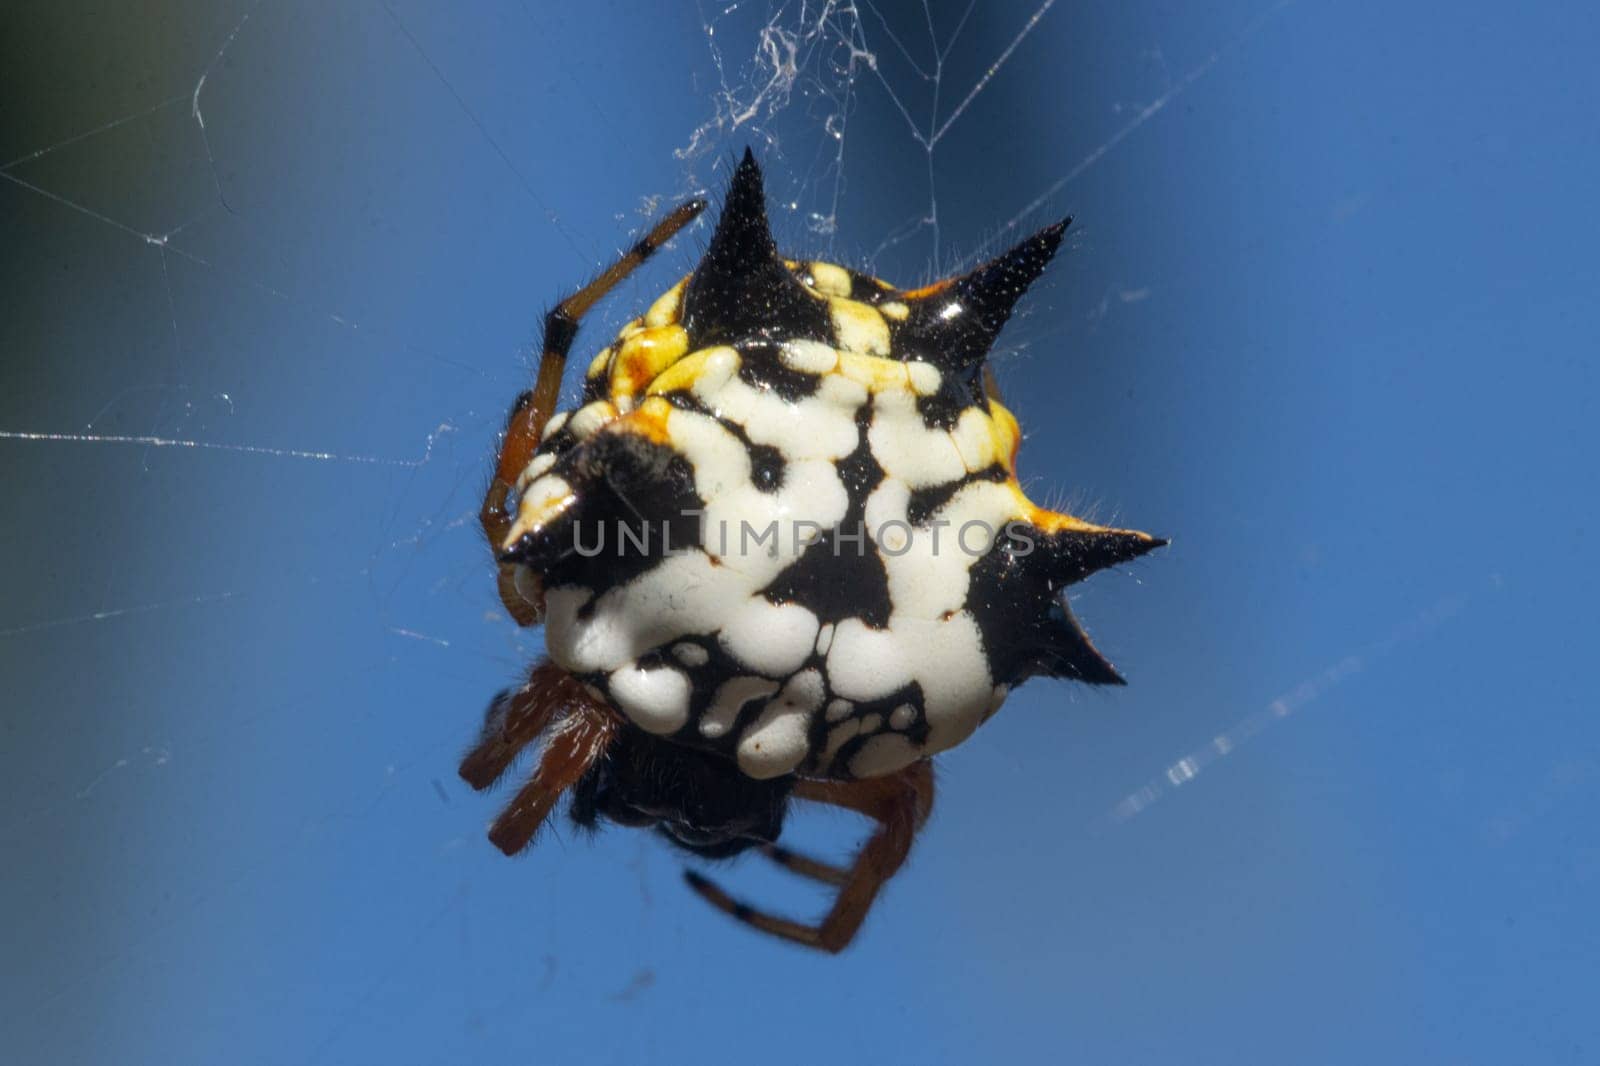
[(859, 470), (839, 767), (838, 578), (767, 467), (835, 581), (761, 367), (636, 504), (926, 501)]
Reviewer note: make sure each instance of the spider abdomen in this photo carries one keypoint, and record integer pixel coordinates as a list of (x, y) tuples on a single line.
[(786, 525)]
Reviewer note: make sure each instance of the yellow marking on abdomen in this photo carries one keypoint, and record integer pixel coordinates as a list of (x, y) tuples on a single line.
[(642, 358)]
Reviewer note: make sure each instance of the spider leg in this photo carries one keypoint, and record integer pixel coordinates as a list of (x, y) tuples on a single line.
[(572, 746), (533, 408), (515, 719), (899, 802), (805, 865)]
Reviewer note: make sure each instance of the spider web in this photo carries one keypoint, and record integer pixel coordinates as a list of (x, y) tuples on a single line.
[(284, 549)]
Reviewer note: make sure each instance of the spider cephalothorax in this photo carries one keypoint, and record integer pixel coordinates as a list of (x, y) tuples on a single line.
[(779, 548)]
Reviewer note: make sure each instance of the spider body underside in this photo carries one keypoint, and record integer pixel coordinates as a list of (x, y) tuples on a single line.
[(734, 545)]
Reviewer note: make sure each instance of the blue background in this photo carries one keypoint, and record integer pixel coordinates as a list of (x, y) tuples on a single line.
[(1327, 318)]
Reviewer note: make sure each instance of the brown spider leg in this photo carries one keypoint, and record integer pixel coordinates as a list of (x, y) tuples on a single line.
[(534, 407), (572, 746), (515, 719), (900, 803), (805, 865)]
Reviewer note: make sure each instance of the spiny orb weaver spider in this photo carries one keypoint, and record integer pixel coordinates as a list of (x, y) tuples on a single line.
[(696, 683)]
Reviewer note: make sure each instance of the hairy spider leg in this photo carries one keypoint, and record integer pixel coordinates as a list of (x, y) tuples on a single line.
[(515, 719), (534, 407), (572, 745), (899, 802), (577, 729)]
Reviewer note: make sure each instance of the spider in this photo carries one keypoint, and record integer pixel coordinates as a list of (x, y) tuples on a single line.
[(697, 684)]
